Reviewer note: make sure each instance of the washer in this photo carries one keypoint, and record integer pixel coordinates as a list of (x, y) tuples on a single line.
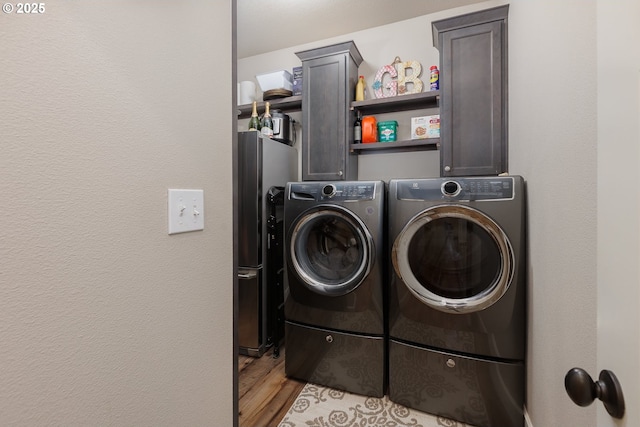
[(457, 329), (335, 270)]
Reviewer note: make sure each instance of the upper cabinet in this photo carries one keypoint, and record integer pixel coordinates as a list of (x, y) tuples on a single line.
[(473, 92), (329, 74)]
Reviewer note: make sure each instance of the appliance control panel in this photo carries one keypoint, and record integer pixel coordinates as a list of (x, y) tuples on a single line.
[(456, 189), (334, 191)]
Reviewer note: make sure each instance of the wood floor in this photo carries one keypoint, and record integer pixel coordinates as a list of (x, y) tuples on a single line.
[(265, 393)]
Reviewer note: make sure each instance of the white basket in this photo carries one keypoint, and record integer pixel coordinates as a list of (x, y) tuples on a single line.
[(276, 80)]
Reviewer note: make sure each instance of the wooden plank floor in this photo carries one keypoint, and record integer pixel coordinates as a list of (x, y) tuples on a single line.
[(265, 393)]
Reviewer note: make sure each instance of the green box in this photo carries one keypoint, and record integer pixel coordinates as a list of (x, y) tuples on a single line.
[(388, 131)]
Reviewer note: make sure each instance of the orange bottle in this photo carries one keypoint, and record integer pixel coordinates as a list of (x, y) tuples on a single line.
[(369, 129)]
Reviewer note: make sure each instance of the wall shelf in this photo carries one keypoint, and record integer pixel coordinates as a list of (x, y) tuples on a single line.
[(413, 101), (288, 104), (397, 146)]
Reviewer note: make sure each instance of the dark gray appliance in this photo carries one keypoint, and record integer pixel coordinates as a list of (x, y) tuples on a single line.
[(283, 127), (457, 298), (263, 165), (334, 315)]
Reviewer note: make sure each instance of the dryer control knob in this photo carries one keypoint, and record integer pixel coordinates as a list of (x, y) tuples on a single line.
[(450, 188), (329, 190)]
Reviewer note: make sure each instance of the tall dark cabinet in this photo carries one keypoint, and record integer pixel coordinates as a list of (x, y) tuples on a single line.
[(473, 92), (330, 75)]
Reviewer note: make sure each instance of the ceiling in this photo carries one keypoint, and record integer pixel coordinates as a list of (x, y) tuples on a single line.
[(265, 26)]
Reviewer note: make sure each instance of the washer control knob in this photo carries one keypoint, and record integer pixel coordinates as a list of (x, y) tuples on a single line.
[(329, 190), (451, 363), (450, 188), (329, 338)]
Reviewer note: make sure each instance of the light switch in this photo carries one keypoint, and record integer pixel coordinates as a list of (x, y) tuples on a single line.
[(186, 210)]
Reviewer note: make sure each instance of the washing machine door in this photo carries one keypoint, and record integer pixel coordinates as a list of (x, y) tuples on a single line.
[(454, 258), (330, 250)]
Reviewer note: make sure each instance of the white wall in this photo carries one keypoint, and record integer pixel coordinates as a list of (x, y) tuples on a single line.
[(552, 139), (552, 119), (104, 318), (619, 202)]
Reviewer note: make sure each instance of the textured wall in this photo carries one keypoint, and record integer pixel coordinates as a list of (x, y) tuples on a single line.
[(619, 203), (553, 144), (104, 318)]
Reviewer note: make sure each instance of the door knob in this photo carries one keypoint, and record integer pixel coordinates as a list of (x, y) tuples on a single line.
[(583, 390)]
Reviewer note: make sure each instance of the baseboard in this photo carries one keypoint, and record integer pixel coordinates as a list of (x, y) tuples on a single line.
[(527, 420)]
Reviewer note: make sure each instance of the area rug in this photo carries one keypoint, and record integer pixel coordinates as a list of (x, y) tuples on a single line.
[(318, 406)]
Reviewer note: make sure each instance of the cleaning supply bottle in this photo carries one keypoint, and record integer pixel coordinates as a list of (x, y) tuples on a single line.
[(434, 78), (360, 89), (369, 130)]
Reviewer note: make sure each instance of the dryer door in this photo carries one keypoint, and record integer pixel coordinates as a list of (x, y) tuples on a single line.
[(330, 250), (454, 258)]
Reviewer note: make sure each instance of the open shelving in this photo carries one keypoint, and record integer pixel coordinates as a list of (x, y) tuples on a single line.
[(286, 105), (394, 104), (397, 146)]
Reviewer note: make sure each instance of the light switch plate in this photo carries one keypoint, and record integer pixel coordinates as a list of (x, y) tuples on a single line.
[(186, 210)]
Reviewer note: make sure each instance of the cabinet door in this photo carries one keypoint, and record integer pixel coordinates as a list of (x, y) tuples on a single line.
[(324, 109), (473, 102)]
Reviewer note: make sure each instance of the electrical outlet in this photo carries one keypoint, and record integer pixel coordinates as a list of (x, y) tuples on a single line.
[(186, 210)]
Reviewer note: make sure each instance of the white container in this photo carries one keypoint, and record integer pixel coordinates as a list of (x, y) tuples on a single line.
[(246, 92), (276, 80), (425, 127)]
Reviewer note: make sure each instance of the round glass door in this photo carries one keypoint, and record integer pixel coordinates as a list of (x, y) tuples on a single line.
[(454, 258), (331, 250)]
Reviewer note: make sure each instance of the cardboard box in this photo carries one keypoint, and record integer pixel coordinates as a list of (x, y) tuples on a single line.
[(425, 127), (297, 81)]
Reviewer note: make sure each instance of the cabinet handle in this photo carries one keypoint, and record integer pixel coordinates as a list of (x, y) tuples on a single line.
[(447, 168), (329, 338), (583, 390)]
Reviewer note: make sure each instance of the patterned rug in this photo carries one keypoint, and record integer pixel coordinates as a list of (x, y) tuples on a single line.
[(318, 406)]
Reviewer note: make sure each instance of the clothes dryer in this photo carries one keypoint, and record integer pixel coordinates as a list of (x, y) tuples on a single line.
[(334, 306), (457, 297)]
